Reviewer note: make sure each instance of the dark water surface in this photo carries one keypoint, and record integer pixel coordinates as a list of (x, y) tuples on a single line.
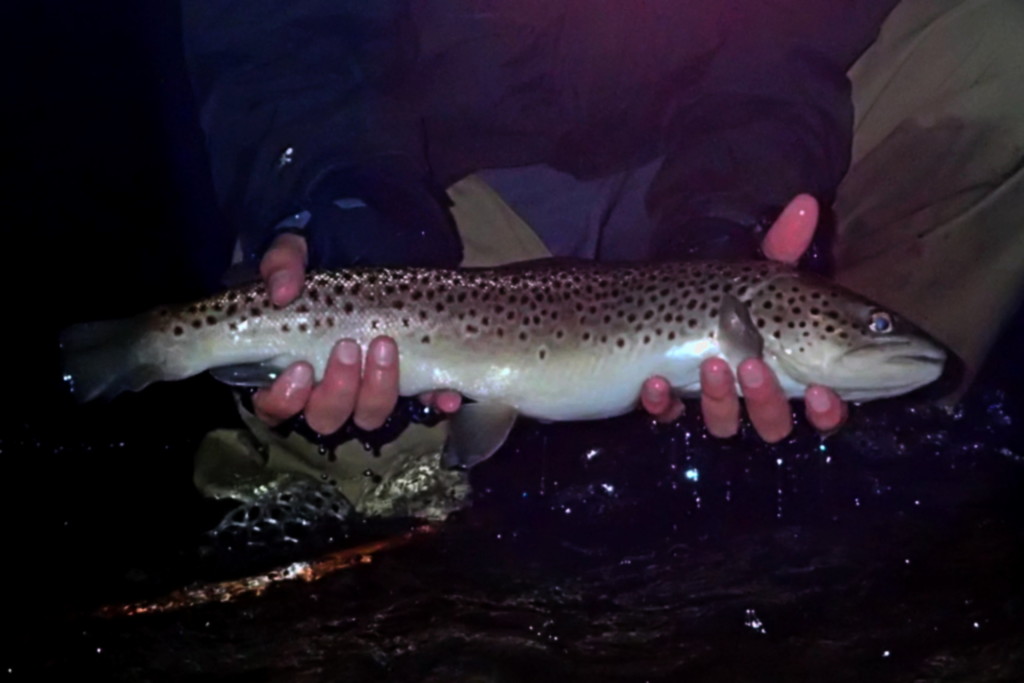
[(616, 550)]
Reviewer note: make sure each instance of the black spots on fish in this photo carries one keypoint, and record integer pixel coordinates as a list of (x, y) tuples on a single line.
[(425, 339), (586, 336), (197, 324), (302, 308), (713, 313), (692, 323), (761, 323), (500, 332), (671, 335), (523, 336), (232, 309), (314, 294), (542, 354), (210, 320), (285, 327), (348, 307), (777, 319), (178, 330)]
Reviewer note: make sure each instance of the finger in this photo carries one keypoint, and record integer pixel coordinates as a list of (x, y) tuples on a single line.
[(766, 404), (793, 230), (657, 399), (286, 397), (825, 410), (332, 400), (378, 392), (283, 267), (719, 402), (448, 401)]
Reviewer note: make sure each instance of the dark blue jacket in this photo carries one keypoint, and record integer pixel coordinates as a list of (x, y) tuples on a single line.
[(389, 101)]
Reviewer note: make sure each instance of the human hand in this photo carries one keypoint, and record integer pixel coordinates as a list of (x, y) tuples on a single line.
[(348, 389), (768, 408)]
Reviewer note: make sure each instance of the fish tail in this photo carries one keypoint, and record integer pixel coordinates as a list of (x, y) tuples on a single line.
[(102, 359)]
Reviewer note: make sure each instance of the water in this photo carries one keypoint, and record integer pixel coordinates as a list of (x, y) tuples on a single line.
[(619, 550)]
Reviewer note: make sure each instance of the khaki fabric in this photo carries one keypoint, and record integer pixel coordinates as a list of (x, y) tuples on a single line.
[(930, 217), (492, 233)]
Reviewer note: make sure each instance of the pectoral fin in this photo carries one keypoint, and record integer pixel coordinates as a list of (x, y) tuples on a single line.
[(737, 334), (247, 375), (477, 431)]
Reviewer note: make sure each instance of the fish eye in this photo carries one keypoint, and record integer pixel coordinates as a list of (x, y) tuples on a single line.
[(880, 322)]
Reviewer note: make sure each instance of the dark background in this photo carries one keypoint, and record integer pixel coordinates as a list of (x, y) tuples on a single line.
[(109, 205)]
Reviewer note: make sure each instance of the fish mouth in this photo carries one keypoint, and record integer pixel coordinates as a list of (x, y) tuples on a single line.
[(930, 355), (933, 358)]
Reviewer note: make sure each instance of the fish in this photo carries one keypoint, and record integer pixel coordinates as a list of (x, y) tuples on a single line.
[(549, 339)]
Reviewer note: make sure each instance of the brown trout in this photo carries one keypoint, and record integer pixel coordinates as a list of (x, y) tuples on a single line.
[(546, 339)]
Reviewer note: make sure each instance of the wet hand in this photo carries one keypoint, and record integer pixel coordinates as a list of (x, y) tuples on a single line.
[(768, 408), (365, 392)]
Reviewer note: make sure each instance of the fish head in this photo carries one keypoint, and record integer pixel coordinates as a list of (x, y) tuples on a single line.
[(821, 333)]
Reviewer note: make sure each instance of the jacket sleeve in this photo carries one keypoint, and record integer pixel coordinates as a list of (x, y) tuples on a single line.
[(300, 102), (771, 118)]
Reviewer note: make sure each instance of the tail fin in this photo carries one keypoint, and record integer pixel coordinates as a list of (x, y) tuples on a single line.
[(102, 359)]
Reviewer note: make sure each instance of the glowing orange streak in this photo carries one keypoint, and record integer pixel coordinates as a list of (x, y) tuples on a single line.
[(226, 591)]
